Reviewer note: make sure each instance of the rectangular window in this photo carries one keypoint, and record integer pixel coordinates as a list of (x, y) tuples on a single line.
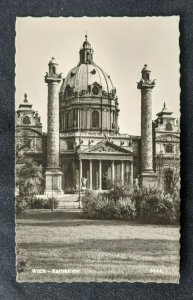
[(70, 145)]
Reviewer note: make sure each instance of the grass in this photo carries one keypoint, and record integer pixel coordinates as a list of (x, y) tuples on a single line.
[(100, 250)]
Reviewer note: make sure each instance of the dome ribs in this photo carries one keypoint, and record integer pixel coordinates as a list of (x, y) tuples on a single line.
[(82, 79)]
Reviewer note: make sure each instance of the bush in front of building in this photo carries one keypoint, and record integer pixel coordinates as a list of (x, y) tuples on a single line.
[(48, 203), (145, 205), (22, 203), (25, 203), (102, 206), (155, 207), (118, 190)]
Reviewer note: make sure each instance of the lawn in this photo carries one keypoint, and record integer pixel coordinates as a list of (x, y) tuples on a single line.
[(67, 247)]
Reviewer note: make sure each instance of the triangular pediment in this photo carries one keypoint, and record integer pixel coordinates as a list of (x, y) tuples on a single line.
[(108, 147)]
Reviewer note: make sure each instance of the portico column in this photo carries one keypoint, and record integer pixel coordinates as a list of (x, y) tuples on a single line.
[(131, 173), (113, 170), (90, 174), (122, 171), (100, 175), (127, 171), (80, 169)]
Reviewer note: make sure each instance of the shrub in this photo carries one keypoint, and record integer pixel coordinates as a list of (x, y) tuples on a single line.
[(118, 191), (22, 203), (152, 206), (21, 260), (147, 205), (123, 209), (90, 203), (101, 206), (39, 203)]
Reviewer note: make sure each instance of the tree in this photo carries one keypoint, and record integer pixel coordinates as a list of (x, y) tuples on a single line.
[(29, 177), (22, 144)]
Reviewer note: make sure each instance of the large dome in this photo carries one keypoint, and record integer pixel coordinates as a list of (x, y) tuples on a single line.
[(87, 97), (84, 75)]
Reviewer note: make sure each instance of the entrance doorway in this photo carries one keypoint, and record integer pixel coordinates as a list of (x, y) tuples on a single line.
[(168, 180), (106, 174)]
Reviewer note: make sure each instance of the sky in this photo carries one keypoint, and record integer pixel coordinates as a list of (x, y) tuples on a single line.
[(122, 45)]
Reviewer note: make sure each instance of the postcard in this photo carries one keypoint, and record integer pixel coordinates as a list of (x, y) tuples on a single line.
[(97, 149)]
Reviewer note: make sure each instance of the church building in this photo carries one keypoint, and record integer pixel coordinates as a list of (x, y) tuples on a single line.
[(83, 146)]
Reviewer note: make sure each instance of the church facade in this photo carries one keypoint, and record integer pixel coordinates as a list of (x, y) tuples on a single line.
[(83, 147)]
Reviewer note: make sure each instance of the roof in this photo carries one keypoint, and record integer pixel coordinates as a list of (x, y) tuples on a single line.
[(110, 147), (164, 111), (83, 75), (25, 105)]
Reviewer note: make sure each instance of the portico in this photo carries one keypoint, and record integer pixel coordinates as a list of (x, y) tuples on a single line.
[(97, 166), (100, 171)]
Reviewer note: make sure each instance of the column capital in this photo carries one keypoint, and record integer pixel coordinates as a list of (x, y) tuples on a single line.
[(53, 78)]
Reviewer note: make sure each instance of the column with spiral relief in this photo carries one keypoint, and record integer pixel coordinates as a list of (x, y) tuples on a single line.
[(53, 172), (147, 176)]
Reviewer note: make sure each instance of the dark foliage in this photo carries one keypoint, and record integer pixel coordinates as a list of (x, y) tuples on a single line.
[(153, 206), (101, 206), (48, 203), (146, 205)]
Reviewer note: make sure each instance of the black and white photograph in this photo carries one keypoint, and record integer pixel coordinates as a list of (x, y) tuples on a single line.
[(97, 149)]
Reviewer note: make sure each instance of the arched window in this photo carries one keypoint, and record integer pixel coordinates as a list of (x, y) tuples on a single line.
[(169, 126), (95, 119), (67, 120), (147, 76), (88, 57), (169, 148), (53, 69), (74, 118), (26, 120)]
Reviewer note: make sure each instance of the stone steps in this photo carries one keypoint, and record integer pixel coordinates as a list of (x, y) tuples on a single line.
[(68, 205), (68, 198), (68, 201)]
